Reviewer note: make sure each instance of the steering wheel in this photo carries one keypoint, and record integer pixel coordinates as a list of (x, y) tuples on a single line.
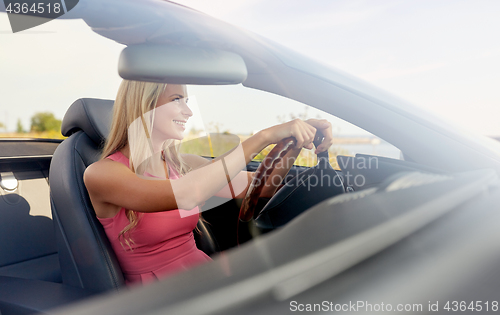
[(296, 195), (261, 175)]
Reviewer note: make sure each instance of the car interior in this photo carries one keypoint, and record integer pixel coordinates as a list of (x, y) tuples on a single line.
[(55, 252), (71, 254)]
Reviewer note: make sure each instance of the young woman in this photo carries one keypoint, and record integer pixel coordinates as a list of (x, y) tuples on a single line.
[(146, 194)]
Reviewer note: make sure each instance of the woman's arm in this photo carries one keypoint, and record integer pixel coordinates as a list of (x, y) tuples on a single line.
[(281, 170), (111, 183), (240, 183)]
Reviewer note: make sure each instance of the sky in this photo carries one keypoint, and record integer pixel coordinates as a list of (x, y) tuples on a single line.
[(443, 56)]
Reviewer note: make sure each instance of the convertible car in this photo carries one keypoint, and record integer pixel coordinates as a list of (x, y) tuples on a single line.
[(416, 231)]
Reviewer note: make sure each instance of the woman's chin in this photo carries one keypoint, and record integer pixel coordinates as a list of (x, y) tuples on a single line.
[(168, 136), (178, 137)]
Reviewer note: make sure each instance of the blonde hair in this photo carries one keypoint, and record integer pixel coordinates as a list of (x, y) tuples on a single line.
[(133, 100)]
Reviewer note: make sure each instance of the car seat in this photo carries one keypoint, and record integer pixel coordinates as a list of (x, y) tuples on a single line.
[(85, 253)]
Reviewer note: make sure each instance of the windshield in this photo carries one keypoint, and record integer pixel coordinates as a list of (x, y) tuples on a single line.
[(385, 153), (243, 112)]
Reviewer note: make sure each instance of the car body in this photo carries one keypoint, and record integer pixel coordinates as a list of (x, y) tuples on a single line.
[(420, 231)]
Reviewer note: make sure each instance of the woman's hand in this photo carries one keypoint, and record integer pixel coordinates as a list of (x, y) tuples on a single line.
[(302, 131), (325, 127)]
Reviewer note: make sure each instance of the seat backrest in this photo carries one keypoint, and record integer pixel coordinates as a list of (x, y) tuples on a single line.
[(85, 254)]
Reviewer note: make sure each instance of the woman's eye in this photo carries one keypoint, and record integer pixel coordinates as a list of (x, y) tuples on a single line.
[(177, 99)]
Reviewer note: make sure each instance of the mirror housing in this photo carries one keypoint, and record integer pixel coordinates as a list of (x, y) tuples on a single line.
[(181, 65)]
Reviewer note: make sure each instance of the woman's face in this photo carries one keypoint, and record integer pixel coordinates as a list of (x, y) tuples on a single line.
[(171, 114)]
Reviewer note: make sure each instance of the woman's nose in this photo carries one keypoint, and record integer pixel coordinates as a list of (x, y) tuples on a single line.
[(186, 110)]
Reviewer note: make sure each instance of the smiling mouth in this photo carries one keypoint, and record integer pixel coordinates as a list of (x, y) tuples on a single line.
[(182, 123)]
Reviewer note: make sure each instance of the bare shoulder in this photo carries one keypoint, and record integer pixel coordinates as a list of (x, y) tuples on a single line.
[(102, 169), (112, 185), (99, 177), (102, 173), (194, 161)]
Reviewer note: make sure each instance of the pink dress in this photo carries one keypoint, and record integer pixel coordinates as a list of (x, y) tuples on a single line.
[(163, 241)]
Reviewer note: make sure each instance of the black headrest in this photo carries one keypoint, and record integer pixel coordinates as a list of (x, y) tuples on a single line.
[(91, 115)]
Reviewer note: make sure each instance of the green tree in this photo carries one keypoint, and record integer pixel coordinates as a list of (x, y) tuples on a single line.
[(19, 128), (2, 125), (45, 122)]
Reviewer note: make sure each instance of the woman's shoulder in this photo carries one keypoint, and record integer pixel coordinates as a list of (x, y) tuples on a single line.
[(104, 170), (100, 177)]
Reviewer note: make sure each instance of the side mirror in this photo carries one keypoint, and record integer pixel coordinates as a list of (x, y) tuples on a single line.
[(181, 65)]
